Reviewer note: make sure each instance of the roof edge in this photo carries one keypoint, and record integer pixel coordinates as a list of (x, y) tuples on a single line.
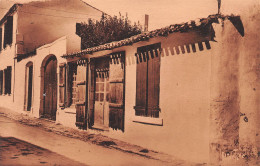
[(184, 27), (9, 12), (93, 7)]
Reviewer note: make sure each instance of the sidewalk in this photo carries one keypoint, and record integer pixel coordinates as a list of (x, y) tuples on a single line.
[(96, 139)]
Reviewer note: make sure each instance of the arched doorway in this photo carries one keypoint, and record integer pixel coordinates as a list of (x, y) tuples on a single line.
[(49, 88)]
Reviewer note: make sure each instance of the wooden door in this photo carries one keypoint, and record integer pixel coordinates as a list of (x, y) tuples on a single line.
[(50, 89), (101, 114), (101, 93)]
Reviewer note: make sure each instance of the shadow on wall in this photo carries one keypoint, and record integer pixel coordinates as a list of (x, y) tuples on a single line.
[(168, 51)]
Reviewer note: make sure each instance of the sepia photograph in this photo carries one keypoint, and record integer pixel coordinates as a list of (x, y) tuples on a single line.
[(129, 82)]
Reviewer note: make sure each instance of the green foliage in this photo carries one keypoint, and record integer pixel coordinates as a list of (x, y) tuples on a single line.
[(106, 30)]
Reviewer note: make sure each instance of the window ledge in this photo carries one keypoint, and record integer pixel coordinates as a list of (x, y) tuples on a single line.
[(70, 110), (148, 120)]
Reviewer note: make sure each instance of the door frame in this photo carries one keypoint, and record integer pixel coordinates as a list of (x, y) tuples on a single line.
[(92, 84), (44, 62), (104, 59)]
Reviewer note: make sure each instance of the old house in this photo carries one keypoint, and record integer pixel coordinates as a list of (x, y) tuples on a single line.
[(182, 89), (33, 37), (190, 90)]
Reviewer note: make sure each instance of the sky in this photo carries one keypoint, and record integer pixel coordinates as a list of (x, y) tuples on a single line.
[(162, 12)]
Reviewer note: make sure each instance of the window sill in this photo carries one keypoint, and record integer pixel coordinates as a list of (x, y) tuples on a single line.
[(70, 110), (5, 95), (148, 120)]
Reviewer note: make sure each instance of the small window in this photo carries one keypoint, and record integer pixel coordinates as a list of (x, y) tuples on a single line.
[(7, 80), (28, 86), (68, 85), (8, 31), (148, 80), (1, 82), (71, 85), (0, 39)]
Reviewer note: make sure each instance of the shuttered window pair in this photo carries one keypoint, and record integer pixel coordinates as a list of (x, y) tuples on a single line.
[(148, 81), (72, 89), (68, 84)]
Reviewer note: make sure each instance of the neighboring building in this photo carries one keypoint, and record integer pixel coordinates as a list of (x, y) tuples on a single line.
[(182, 89), (33, 37)]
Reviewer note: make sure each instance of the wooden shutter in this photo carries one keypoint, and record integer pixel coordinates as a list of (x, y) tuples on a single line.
[(153, 77), (8, 36), (116, 91), (91, 93), (81, 97), (1, 82), (0, 39), (62, 85), (8, 79), (147, 80), (69, 81), (141, 84)]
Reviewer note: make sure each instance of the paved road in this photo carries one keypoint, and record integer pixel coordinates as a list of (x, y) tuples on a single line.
[(72, 149), (17, 152)]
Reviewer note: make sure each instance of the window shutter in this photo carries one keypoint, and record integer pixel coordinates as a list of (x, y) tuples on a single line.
[(148, 80), (1, 82), (0, 39), (92, 92), (69, 81), (141, 84), (8, 79), (81, 97), (8, 36), (153, 82), (62, 85), (116, 91)]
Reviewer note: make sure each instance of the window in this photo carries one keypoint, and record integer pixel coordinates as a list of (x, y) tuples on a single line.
[(147, 81), (0, 39), (62, 79), (8, 31), (28, 86), (7, 80), (1, 82), (72, 84), (68, 85)]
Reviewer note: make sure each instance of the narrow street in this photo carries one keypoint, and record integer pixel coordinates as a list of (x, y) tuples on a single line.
[(18, 152), (26, 145)]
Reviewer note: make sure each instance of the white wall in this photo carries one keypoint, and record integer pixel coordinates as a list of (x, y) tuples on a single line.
[(57, 48), (7, 56), (184, 100)]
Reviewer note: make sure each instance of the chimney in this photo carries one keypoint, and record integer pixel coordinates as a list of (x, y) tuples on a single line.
[(146, 22)]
